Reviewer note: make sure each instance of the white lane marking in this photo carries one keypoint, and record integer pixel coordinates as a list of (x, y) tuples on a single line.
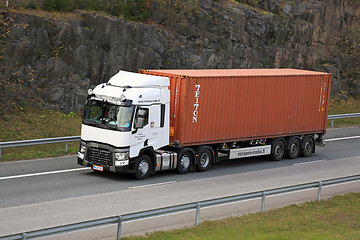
[(303, 163), (339, 139), (151, 185), (80, 169), (43, 173)]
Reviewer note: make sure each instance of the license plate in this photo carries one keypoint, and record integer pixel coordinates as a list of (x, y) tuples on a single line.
[(97, 168)]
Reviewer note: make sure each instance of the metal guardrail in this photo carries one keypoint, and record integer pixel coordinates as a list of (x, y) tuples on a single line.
[(77, 138), (179, 208), (65, 140), (339, 116)]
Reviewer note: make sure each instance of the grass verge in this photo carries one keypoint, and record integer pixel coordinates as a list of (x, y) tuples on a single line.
[(337, 218), (341, 107), (31, 123)]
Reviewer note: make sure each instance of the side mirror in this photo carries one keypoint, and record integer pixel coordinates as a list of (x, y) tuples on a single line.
[(140, 122), (141, 118), (141, 113)]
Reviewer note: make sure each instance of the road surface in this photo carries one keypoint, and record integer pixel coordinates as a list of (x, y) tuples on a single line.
[(36, 194)]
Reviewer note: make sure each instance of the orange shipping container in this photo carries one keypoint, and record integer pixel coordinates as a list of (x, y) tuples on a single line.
[(225, 105)]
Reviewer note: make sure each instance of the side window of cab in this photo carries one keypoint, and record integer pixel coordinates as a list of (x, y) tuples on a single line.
[(142, 118)]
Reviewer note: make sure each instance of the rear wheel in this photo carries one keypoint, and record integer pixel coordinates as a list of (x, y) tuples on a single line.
[(277, 149), (205, 159), (294, 148), (185, 159), (142, 167), (308, 146)]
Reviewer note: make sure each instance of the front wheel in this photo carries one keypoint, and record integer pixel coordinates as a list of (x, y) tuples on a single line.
[(142, 167)]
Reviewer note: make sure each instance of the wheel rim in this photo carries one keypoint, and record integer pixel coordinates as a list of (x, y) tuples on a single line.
[(294, 148), (278, 150), (204, 160), (185, 162), (143, 167), (308, 147)]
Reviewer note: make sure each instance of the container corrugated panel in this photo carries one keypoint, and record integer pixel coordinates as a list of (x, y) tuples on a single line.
[(213, 106)]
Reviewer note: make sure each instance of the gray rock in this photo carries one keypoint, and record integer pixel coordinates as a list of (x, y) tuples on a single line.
[(66, 58)]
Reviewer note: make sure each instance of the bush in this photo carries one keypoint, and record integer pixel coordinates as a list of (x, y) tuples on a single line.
[(134, 10), (31, 5), (58, 5), (350, 55), (95, 5), (175, 10)]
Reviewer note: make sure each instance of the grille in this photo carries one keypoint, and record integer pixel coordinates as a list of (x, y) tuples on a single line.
[(100, 157)]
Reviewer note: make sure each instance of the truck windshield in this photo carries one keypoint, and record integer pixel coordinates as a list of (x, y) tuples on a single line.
[(106, 115)]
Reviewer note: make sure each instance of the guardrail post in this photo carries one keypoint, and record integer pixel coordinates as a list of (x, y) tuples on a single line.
[(66, 147), (197, 214), (0, 153), (23, 236), (332, 123), (118, 235), (319, 191), (263, 202)]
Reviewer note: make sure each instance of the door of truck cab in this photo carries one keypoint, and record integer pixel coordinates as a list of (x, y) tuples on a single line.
[(146, 129)]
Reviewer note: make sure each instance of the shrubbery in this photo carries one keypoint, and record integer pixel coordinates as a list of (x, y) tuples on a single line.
[(31, 5), (134, 10), (350, 55), (58, 5)]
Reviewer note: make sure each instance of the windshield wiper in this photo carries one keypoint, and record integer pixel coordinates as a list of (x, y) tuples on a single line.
[(103, 125), (111, 127), (90, 122)]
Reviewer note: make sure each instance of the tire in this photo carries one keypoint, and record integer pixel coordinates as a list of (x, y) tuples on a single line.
[(204, 159), (142, 167), (294, 147), (308, 146), (185, 160), (277, 149)]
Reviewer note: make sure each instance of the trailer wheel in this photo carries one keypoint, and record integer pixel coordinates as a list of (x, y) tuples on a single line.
[(294, 148), (308, 146), (277, 149), (185, 159), (142, 167), (205, 159)]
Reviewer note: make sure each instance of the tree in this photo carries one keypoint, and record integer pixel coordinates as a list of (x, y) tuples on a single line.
[(175, 10), (350, 53), (14, 82)]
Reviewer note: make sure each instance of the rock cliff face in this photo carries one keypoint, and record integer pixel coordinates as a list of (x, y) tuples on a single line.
[(65, 58)]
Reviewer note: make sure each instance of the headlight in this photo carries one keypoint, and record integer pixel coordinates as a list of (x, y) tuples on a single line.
[(121, 159), (82, 149), (122, 156)]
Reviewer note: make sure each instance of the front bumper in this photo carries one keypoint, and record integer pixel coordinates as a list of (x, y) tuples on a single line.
[(122, 169), (101, 157)]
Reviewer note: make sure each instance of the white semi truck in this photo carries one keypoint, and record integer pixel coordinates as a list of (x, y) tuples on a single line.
[(157, 120)]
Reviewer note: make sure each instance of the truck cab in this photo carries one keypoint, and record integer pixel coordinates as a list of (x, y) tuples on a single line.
[(125, 118)]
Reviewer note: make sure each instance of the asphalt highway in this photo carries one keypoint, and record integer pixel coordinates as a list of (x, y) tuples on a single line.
[(36, 194)]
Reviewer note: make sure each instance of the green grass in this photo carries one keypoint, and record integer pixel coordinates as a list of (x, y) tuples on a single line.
[(31, 123), (342, 107), (338, 218)]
